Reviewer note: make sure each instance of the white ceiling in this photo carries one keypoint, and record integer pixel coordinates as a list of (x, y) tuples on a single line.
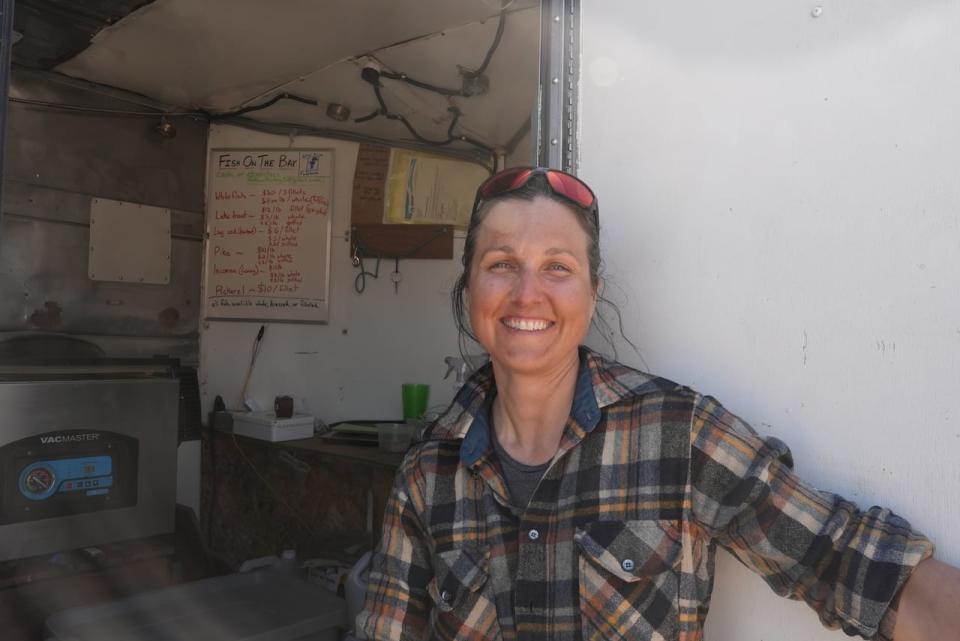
[(221, 55)]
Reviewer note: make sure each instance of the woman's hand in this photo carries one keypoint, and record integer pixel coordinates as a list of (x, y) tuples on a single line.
[(929, 604)]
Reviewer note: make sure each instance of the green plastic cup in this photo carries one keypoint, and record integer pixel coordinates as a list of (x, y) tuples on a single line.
[(415, 398)]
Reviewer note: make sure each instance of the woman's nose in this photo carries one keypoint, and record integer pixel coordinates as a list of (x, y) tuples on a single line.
[(527, 287)]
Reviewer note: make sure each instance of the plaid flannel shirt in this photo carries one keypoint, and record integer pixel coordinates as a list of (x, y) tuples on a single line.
[(619, 539)]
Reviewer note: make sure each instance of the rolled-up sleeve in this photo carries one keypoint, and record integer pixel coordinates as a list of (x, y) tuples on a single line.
[(847, 564), (397, 605)]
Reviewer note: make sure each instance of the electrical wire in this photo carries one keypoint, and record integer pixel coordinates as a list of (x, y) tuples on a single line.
[(422, 85), (443, 91), (280, 96), (360, 282), (385, 112), (359, 252), (370, 116), (285, 129), (103, 110), (496, 39), (203, 115), (382, 111), (373, 77)]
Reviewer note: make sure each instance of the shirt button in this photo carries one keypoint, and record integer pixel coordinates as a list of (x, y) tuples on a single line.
[(627, 565), (446, 597), (533, 535)]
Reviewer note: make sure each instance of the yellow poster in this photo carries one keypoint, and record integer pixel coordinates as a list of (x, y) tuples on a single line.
[(428, 189)]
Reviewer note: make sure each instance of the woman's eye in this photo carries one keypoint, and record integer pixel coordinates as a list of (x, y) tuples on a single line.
[(558, 267), (500, 265)]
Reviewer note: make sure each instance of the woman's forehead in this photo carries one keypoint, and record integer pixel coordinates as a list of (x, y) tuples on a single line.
[(519, 216), (530, 229)]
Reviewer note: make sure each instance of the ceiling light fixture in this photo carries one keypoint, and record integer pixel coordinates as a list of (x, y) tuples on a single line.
[(338, 112), (166, 128)]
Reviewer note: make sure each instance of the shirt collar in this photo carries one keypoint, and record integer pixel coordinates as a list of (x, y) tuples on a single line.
[(599, 383)]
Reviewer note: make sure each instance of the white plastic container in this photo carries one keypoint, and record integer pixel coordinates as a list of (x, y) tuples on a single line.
[(356, 588), (255, 606), (288, 564), (267, 427)]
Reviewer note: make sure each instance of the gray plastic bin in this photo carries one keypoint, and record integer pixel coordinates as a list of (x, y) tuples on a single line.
[(256, 606)]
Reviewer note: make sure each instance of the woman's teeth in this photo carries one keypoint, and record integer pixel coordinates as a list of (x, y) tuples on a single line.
[(526, 325)]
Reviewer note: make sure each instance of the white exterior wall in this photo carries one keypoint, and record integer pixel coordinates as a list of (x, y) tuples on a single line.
[(351, 368), (781, 224)]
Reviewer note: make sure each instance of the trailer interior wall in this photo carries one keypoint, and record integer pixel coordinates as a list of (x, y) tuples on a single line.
[(56, 162), (781, 213), (352, 367)]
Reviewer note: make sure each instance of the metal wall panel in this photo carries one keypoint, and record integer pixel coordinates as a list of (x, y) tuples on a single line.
[(56, 162), (45, 285), (105, 155), (23, 200)]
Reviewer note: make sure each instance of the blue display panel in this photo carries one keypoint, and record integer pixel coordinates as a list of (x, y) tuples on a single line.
[(90, 474), (67, 472)]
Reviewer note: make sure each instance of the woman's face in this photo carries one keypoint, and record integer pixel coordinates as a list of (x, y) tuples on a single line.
[(530, 296)]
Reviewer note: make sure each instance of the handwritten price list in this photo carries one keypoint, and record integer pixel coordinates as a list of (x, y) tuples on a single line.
[(268, 234)]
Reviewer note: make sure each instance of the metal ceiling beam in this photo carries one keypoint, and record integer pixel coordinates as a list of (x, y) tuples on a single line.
[(559, 84), (6, 42)]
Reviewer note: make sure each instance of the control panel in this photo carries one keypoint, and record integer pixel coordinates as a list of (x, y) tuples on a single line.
[(67, 472), (91, 475)]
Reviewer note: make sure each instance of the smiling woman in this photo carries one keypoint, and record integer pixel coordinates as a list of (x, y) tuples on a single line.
[(564, 496), (531, 295)]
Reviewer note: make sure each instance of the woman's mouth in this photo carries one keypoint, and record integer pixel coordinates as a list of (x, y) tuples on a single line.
[(527, 324)]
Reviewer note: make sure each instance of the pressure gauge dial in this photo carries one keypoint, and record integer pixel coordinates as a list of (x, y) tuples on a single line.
[(38, 482)]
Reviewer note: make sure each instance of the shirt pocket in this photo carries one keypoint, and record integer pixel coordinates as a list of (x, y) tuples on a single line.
[(462, 603), (629, 579)]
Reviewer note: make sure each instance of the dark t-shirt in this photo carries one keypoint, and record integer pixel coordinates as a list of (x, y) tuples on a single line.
[(521, 479)]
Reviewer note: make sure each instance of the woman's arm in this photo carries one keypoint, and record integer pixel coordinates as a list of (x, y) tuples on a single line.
[(847, 564), (929, 604), (397, 606)]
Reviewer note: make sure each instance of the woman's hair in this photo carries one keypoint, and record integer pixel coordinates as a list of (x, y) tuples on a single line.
[(536, 187)]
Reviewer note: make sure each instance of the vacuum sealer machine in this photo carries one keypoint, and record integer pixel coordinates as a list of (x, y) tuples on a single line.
[(87, 455)]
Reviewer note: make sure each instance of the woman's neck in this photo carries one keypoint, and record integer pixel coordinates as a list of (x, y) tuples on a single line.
[(530, 411)]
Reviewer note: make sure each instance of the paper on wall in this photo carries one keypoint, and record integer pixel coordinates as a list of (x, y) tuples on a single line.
[(423, 188)]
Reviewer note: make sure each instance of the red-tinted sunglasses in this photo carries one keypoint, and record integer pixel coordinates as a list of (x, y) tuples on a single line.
[(562, 184)]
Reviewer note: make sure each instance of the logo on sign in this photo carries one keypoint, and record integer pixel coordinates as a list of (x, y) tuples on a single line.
[(69, 438), (310, 164)]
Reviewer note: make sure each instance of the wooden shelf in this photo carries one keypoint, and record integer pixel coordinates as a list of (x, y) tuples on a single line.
[(363, 453)]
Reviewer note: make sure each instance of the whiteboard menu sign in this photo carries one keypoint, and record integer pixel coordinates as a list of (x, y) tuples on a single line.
[(268, 234)]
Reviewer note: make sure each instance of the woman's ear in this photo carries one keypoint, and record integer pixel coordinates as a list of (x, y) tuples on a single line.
[(598, 290)]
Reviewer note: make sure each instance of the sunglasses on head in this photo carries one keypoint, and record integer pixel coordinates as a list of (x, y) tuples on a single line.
[(563, 184)]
